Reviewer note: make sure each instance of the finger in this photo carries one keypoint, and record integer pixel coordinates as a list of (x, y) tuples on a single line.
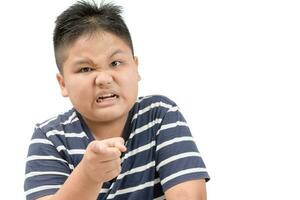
[(112, 174), (120, 145), (102, 147), (117, 142), (111, 165), (107, 153), (98, 147), (111, 154)]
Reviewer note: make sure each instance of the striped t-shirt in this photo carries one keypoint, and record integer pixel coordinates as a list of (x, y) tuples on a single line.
[(160, 153)]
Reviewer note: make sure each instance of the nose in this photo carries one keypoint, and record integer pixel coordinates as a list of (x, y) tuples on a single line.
[(103, 78)]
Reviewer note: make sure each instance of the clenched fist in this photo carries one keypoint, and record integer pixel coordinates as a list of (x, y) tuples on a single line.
[(101, 161)]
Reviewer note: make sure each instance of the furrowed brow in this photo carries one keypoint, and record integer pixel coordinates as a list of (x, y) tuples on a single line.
[(119, 51), (84, 61)]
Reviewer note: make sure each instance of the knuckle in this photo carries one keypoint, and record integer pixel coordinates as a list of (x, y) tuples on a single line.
[(88, 157), (117, 153), (121, 140), (91, 145)]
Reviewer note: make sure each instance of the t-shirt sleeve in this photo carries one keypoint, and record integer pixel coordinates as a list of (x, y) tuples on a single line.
[(46, 169), (178, 159)]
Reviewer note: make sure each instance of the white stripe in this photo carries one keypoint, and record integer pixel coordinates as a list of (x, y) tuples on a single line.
[(134, 170), (175, 140), (160, 198), (183, 172), (139, 150), (71, 118), (47, 122), (35, 157), (153, 105), (177, 157), (79, 135), (41, 141), (56, 132), (70, 151), (171, 125), (41, 188), (71, 121), (137, 169), (112, 185), (104, 190), (71, 166), (54, 118), (31, 174), (133, 189), (145, 127), (146, 97), (76, 151), (173, 109)]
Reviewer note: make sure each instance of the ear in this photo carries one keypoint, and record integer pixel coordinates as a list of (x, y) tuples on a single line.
[(61, 82), (136, 60)]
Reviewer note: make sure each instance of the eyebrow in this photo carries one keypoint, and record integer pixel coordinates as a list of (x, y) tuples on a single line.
[(82, 61), (118, 51)]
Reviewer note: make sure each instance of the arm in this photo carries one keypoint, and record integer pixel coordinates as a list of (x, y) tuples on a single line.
[(77, 186), (100, 163), (190, 190)]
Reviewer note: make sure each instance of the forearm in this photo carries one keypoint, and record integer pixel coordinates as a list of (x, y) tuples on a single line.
[(100, 163), (190, 190), (77, 187)]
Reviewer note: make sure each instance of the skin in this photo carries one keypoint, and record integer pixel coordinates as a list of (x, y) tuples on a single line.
[(189, 190), (100, 163), (100, 64)]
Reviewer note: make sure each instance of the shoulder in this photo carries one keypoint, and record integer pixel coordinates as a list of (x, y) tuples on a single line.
[(155, 99), (152, 109), (55, 122), (66, 124), (154, 105)]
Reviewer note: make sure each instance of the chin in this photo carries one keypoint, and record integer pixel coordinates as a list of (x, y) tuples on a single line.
[(109, 116)]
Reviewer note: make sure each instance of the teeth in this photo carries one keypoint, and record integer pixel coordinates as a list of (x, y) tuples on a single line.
[(101, 98), (107, 95)]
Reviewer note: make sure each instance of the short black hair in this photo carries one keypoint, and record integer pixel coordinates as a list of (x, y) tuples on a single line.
[(85, 17)]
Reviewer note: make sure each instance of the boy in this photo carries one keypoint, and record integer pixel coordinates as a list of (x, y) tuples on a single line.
[(111, 145)]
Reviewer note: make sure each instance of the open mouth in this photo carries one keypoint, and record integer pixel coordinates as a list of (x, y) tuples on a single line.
[(106, 97)]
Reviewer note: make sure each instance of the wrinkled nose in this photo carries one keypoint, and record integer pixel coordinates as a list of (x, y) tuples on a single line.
[(103, 78)]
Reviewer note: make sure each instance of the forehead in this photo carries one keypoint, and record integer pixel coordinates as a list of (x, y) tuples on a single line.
[(95, 44), (98, 41)]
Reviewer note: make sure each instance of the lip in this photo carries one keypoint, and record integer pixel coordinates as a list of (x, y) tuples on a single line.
[(106, 102)]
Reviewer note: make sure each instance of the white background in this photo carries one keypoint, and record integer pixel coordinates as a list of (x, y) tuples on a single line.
[(231, 66)]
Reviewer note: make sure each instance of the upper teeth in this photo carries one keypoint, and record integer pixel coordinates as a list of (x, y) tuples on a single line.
[(100, 98), (107, 95)]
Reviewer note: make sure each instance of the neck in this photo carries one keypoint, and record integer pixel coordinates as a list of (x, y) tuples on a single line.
[(105, 130)]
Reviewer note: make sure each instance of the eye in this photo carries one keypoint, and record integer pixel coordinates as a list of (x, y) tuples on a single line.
[(115, 63), (85, 70)]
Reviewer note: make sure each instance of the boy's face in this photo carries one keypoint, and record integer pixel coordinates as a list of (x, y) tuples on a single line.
[(100, 77)]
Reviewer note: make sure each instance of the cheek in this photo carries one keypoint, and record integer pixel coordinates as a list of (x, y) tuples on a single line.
[(128, 83), (133, 87), (77, 87), (130, 80)]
